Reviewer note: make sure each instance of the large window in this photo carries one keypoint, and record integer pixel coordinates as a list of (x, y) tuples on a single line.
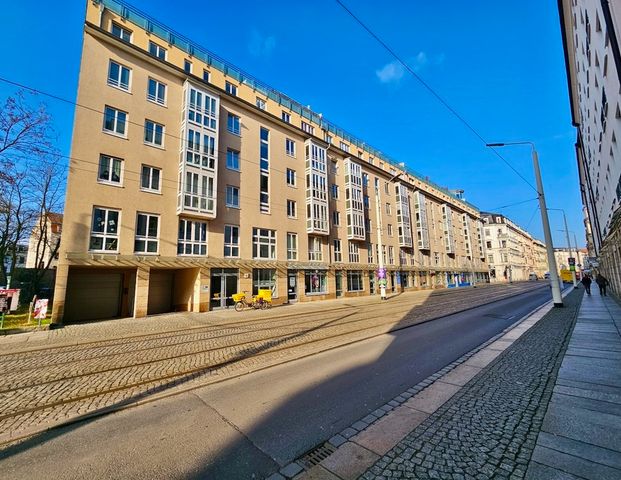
[(202, 109), (232, 196), (314, 249), (264, 279), (233, 124), (157, 50), (121, 32), (354, 281), (315, 282), (338, 253), (150, 179), (354, 253), (198, 192), (264, 243), (156, 92), (292, 246), (153, 133), (232, 159), (201, 149), (119, 76), (192, 238), (307, 127), (110, 170), (115, 121), (147, 233), (231, 241), (265, 149), (104, 230)]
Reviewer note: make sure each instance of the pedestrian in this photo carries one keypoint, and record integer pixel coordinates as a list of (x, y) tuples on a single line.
[(586, 281), (602, 283)]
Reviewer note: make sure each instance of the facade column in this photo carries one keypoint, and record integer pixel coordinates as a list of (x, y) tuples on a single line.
[(141, 300), (60, 291)]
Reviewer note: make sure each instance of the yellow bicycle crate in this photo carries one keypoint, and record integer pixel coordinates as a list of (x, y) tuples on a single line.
[(238, 297), (265, 294)]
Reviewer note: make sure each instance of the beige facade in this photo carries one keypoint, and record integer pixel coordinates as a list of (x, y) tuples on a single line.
[(190, 182), (512, 253)]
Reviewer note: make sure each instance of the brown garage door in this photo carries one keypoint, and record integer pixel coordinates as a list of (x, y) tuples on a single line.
[(93, 296), (160, 291)]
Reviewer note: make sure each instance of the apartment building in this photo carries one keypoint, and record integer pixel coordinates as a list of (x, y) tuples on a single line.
[(44, 241), (591, 33), (512, 253), (190, 181)]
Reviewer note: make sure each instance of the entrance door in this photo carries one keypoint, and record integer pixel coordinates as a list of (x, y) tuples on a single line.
[(392, 282), (339, 284), (292, 286), (223, 286), (372, 281)]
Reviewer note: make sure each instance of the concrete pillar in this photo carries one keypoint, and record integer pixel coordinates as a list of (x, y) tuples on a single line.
[(141, 299), (204, 290), (60, 291)]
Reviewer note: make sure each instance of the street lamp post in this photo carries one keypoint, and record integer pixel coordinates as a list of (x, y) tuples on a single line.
[(573, 273), (554, 279)]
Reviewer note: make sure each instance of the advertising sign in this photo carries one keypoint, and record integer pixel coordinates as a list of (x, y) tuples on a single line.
[(381, 273), (40, 309)]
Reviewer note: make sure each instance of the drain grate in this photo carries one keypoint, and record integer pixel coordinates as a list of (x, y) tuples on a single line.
[(316, 455)]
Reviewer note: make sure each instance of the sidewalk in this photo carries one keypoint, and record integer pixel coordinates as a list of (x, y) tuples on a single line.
[(501, 412)]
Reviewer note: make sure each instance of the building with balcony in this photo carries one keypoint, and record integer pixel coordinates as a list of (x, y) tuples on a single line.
[(591, 33), (190, 181), (512, 253)]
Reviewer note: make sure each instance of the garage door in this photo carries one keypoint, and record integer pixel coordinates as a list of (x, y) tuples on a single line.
[(92, 296), (160, 291)]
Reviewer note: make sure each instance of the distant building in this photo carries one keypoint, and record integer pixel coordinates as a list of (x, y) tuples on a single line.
[(20, 261), (512, 253), (562, 258), (591, 31), (43, 247)]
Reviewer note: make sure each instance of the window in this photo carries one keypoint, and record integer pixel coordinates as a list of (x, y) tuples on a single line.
[(334, 167), (232, 196), (104, 230), (156, 92), (233, 124), (315, 282), (314, 249), (391, 255), (265, 166), (264, 279), (206, 76), (119, 76), (230, 89), (338, 253), (290, 147), (263, 243), (292, 246), (201, 156), (388, 209), (343, 146), (231, 241), (198, 192), (354, 281), (336, 218), (121, 32), (150, 179), (490, 258), (308, 128), (292, 209), (115, 121), (488, 244), (232, 159), (202, 108), (354, 253), (291, 177), (153, 133), (389, 227), (334, 191), (365, 179), (261, 103), (369, 252), (157, 51), (366, 201), (192, 238), (264, 149), (286, 117), (328, 138), (264, 193), (187, 66), (110, 170), (147, 226)]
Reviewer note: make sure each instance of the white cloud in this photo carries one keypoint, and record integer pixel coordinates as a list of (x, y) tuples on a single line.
[(391, 72), (261, 45)]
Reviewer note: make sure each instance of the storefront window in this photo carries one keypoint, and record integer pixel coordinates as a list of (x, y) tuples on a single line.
[(315, 282), (354, 281), (264, 279)]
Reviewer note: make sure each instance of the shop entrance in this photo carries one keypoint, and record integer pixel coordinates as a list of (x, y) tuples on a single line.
[(224, 283)]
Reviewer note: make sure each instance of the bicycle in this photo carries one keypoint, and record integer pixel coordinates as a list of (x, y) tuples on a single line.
[(257, 302)]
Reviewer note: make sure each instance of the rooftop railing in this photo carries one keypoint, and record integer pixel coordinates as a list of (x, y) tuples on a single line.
[(158, 29)]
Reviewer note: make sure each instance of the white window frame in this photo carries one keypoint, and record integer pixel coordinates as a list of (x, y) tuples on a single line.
[(198, 238), (338, 252), (292, 209), (206, 75), (344, 146), (148, 169), (232, 193), (160, 87), (158, 51), (187, 66), (146, 238), (114, 131), (105, 235), (261, 103), (263, 237), (110, 170), (290, 147), (231, 153), (124, 33), (291, 177), (334, 191), (315, 250), (286, 117), (153, 133), (231, 128), (307, 127), (117, 82), (231, 248), (292, 246), (230, 88), (336, 218), (354, 253)]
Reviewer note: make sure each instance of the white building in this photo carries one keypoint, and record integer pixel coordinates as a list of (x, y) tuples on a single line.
[(44, 242)]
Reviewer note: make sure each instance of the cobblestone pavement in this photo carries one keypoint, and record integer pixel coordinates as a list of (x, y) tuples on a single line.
[(63, 380), (489, 429)]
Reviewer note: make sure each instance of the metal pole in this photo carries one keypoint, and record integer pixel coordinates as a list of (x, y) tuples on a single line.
[(573, 273), (380, 260), (554, 279)]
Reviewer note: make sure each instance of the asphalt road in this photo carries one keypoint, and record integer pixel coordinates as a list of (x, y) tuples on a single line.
[(250, 426)]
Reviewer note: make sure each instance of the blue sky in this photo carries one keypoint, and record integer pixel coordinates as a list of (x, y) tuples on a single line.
[(499, 64)]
